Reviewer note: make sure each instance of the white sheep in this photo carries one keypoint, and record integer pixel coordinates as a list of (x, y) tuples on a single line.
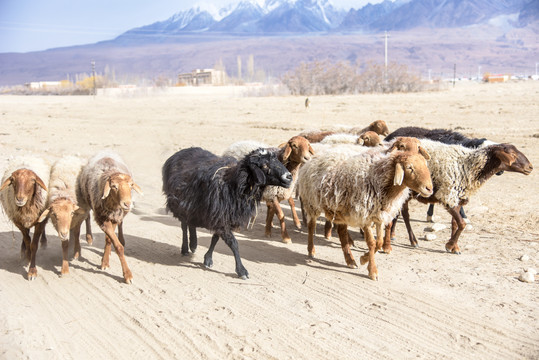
[(369, 138), (458, 173), (360, 190), (239, 149), (63, 209), (105, 185), (23, 194)]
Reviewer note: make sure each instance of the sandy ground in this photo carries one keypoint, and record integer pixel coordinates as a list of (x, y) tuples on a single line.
[(427, 304)]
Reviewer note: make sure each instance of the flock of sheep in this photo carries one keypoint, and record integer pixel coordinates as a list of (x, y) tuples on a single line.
[(350, 175)]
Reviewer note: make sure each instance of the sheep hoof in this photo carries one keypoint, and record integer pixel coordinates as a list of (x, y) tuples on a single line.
[(452, 248), (387, 250), (89, 239), (353, 265), (287, 240), (373, 276), (298, 226), (364, 259), (244, 277), (32, 274)]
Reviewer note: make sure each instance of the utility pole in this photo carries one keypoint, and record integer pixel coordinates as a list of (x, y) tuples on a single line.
[(454, 74), (479, 74), (386, 35), (93, 76)]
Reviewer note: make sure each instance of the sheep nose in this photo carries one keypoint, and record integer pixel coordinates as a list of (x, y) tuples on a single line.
[(287, 177), (20, 202), (126, 205), (64, 235)]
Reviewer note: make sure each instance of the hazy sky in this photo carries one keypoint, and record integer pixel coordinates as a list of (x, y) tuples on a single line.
[(32, 25)]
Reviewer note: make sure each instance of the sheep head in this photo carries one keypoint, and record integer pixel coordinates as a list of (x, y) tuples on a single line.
[(24, 184), (61, 213), (379, 127), (409, 144), (411, 171), (370, 139), (511, 159), (118, 188), (267, 169), (298, 150)]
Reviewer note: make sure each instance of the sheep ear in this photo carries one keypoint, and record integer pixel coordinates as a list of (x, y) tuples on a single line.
[(44, 215), (41, 183), (137, 189), (399, 174), (424, 152), (6, 183), (311, 150), (287, 152), (505, 157), (106, 190), (259, 175)]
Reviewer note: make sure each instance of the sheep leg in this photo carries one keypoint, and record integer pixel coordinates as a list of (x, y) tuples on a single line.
[(269, 219), (232, 243), (65, 263), (193, 242), (74, 236), (280, 214), (108, 228), (25, 243), (457, 226), (311, 227), (406, 216), (386, 247), (292, 204), (327, 229), (369, 256), (38, 230), (185, 239), (43, 240), (121, 234), (342, 230), (89, 236), (379, 237), (208, 261), (303, 215)]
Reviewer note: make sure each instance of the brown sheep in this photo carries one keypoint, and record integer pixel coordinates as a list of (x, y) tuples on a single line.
[(23, 194), (292, 154), (105, 186)]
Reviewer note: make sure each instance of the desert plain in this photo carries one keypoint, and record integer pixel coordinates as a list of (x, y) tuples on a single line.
[(427, 304)]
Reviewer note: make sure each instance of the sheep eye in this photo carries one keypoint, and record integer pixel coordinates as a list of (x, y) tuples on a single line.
[(265, 166)]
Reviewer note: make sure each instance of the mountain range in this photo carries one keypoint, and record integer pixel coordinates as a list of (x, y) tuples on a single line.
[(249, 17), (500, 35)]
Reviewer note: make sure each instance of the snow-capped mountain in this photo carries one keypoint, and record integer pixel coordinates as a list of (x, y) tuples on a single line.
[(259, 17)]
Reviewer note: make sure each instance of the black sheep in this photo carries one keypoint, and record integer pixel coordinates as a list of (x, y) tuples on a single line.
[(220, 194), (444, 136)]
